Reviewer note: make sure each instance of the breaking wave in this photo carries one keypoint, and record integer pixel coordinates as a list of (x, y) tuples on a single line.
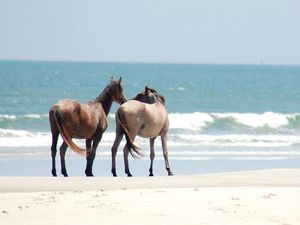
[(197, 121), (234, 121), (22, 138), (201, 135)]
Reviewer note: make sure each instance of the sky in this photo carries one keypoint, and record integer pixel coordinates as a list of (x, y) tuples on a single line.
[(162, 31)]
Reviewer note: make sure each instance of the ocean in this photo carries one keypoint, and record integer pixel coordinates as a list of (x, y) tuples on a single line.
[(222, 117)]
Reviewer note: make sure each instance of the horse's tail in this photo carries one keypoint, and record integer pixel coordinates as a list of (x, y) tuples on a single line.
[(120, 119), (58, 116)]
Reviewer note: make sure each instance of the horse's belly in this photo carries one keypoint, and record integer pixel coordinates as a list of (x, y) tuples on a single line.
[(149, 132), (76, 136), (147, 135), (83, 133)]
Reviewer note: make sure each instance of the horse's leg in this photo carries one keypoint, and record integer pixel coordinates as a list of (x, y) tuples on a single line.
[(165, 152), (152, 155), (53, 152), (125, 155), (114, 149), (55, 134), (132, 136), (63, 149), (88, 143), (91, 156)]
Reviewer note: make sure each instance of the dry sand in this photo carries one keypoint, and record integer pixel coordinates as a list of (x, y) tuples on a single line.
[(253, 197)]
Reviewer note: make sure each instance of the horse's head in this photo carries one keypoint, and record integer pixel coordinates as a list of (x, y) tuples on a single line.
[(149, 95), (116, 90)]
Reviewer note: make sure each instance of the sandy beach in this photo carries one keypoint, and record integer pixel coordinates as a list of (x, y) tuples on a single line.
[(252, 197)]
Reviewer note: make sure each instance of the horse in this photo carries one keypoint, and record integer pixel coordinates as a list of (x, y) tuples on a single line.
[(72, 119), (146, 116)]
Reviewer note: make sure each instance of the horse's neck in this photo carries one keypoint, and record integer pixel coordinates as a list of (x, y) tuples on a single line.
[(149, 100), (145, 99), (105, 100)]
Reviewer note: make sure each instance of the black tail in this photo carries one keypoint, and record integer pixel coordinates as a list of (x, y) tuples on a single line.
[(136, 153)]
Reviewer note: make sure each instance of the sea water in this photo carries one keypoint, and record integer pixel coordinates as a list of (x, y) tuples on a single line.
[(222, 117)]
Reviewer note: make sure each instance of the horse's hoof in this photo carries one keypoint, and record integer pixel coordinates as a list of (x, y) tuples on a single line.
[(64, 173), (129, 175), (170, 174), (151, 175), (54, 173), (90, 175), (114, 173)]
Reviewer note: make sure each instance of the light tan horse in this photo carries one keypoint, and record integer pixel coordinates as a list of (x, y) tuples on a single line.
[(71, 119), (138, 117)]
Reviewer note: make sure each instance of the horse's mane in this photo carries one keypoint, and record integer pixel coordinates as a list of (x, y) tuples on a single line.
[(104, 94), (161, 99), (158, 97)]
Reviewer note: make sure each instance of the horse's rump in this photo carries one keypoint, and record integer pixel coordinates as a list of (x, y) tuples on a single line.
[(58, 116), (122, 122)]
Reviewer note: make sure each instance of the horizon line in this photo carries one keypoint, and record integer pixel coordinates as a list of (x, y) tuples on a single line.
[(150, 62)]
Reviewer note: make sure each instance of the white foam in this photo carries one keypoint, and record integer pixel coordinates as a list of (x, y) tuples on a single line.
[(192, 121), (177, 88), (199, 120), (195, 147), (35, 116), (192, 125), (9, 133), (7, 117), (237, 140), (25, 138), (270, 119), (30, 116)]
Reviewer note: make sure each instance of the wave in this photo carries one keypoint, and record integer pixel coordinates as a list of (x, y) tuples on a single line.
[(235, 154), (267, 121), (23, 138), (14, 143), (197, 121), (202, 122), (236, 140), (4, 117), (37, 122), (200, 129)]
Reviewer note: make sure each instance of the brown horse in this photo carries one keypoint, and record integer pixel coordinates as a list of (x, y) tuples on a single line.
[(145, 115), (71, 119)]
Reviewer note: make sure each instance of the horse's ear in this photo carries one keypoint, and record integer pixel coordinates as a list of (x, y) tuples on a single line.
[(111, 79), (146, 89), (120, 80)]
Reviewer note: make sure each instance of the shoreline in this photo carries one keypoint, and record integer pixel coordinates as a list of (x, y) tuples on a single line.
[(258, 178), (265, 197), (35, 166)]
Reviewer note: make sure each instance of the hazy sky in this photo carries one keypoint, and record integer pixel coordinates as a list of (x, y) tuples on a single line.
[(188, 31)]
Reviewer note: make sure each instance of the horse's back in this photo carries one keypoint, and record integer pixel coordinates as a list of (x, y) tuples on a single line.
[(68, 105), (65, 106), (149, 119), (81, 119)]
